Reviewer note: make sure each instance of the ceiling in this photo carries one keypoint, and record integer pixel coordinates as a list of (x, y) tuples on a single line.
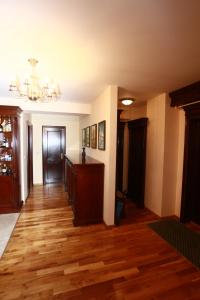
[(145, 47)]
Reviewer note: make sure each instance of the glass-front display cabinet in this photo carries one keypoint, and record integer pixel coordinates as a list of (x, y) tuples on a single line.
[(10, 187)]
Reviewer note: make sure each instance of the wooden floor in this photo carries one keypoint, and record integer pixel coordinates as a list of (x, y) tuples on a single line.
[(48, 258)]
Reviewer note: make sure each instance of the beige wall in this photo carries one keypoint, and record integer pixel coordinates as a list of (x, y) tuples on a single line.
[(155, 153), (105, 108), (165, 143), (72, 137), (170, 159)]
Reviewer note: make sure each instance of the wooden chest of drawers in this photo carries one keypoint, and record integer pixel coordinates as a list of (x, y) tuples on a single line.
[(84, 182)]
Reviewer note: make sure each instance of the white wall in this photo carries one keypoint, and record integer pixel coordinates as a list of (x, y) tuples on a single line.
[(72, 137), (24, 154), (54, 107), (105, 108), (170, 159)]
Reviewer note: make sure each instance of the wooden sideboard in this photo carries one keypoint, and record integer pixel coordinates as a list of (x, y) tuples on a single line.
[(84, 182)]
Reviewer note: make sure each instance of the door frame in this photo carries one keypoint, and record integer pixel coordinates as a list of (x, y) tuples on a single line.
[(29, 157), (119, 153), (64, 147)]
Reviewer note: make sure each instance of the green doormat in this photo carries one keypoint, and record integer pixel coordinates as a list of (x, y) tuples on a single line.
[(183, 239)]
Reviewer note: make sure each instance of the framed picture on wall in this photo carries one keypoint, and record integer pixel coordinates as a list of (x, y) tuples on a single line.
[(102, 135), (83, 137), (93, 136), (87, 136)]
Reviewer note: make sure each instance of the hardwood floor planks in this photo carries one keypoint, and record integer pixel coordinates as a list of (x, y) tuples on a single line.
[(47, 258)]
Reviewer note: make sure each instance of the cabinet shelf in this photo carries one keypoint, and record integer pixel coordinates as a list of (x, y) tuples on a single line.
[(6, 133), (3, 147)]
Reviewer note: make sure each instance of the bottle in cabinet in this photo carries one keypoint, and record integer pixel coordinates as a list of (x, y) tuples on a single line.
[(5, 143), (3, 124), (9, 125), (4, 169)]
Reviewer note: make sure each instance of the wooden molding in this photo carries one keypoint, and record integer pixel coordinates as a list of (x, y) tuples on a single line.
[(137, 123), (186, 95)]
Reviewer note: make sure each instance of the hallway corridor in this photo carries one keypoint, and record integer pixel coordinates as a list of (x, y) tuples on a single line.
[(47, 258)]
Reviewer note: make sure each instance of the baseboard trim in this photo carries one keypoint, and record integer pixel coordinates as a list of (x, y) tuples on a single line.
[(108, 226)]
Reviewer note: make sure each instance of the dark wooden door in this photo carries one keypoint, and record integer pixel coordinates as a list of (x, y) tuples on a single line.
[(137, 160), (190, 209), (30, 158), (53, 154)]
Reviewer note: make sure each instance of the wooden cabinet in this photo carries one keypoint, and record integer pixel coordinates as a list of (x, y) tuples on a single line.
[(10, 192), (84, 183)]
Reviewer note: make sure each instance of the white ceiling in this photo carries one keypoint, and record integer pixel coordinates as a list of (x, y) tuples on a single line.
[(143, 46)]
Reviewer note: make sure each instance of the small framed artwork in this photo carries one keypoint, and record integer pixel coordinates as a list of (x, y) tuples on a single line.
[(87, 136), (93, 136), (102, 135), (83, 137)]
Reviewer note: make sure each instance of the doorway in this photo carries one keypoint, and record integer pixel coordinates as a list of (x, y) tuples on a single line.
[(137, 160), (130, 169), (190, 206), (53, 145)]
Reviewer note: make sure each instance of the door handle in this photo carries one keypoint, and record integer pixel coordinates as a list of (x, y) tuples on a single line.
[(61, 155)]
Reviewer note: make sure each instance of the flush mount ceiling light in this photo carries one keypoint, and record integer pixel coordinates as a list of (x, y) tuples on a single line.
[(33, 89), (127, 101)]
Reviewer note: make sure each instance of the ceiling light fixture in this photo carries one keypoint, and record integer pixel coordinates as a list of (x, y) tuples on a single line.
[(127, 101), (32, 87)]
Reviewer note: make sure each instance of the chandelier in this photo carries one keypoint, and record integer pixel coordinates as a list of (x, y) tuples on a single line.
[(32, 87)]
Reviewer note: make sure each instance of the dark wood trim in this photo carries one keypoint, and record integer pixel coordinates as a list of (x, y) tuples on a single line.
[(120, 156), (183, 214), (11, 110), (108, 226), (30, 156), (186, 95), (137, 123)]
